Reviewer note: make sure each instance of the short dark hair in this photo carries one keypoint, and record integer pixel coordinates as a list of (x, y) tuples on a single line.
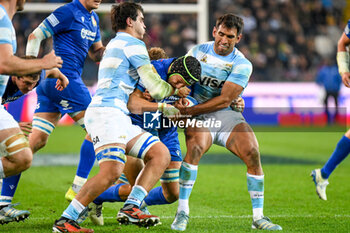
[(188, 67), (231, 21), (121, 12), (35, 75)]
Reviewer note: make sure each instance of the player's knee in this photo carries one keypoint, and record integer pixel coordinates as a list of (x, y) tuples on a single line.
[(253, 156), (196, 151), (172, 196), (26, 160)]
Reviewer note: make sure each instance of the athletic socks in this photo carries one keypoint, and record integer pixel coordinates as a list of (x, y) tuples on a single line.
[(155, 197), (110, 195), (73, 210), (9, 186), (188, 175), (138, 193), (256, 190), (86, 162), (339, 154)]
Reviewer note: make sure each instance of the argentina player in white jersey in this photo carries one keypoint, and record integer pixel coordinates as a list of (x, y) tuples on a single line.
[(225, 74), (320, 176), (125, 61), (15, 153)]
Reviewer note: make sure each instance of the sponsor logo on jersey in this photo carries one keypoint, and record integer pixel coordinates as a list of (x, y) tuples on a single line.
[(211, 82), (65, 105), (95, 140), (82, 19), (87, 34)]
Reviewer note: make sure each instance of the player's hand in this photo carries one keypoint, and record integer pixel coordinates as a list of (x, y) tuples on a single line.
[(238, 104), (62, 82), (147, 96), (183, 92), (26, 128), (168, 110), (50, 61), (346, 79), (181, 105)]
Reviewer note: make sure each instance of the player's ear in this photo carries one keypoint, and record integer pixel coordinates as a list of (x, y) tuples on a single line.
[(214, 31), (129, 22)]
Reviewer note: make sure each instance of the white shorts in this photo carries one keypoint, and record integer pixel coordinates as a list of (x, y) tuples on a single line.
[(107, 125), (7, 120), (227, 121)]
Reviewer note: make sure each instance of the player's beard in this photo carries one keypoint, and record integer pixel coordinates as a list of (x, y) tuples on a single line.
[(20, 5)]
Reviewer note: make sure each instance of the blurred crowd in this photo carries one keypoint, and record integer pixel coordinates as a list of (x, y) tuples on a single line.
[(286, 40)]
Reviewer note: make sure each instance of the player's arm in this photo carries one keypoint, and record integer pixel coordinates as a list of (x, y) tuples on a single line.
[(13, 65), (96, 51), (343, 59), (62, 80), (229, 92), (39, 34), (158, 88), (137, 104)]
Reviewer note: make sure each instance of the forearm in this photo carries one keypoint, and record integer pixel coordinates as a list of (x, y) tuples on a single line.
[(14, 65), (158, 88), (137, 105), (212, 105), (96, 55)]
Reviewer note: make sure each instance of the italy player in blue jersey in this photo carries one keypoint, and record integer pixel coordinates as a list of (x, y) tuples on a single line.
[(225, 74), (125, 62), (16, 155), (75, 30), (342, 150)]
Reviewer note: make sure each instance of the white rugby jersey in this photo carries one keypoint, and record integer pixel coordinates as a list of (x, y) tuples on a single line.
[(217, 69), (7, 36), (117, 75)]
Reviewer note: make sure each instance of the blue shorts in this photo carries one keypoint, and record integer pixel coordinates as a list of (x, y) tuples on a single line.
[(168, 136), (74, 98)]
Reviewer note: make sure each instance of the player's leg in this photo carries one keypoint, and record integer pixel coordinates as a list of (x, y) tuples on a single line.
[(156, 158), (16, 157), (320, 176), (242, 142), (198, 141), (110, 153), (86, 161)]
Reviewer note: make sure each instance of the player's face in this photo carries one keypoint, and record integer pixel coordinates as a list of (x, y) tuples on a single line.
[(176, 81), (92, 4), (225, 39), (25, 83), (20, 5), (139, 26)]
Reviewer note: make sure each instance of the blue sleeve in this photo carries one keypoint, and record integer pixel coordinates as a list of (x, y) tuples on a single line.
[(241, 72), (60, 20), (347, 29)]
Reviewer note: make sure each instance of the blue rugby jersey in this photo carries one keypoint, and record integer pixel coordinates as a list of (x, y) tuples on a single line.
[(117, 74), (7, 36), (74, 30), (216, 70), (12, 92), (347, 29)]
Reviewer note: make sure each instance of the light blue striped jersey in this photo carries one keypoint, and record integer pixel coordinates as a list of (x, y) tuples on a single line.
[(7, 36), (117, 75), (347, 29), (216, 70)]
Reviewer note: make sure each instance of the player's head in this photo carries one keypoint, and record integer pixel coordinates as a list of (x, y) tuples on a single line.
[(227, 33), (91, 4), (156, 53), (184, 71), (20, 5), (128, 17), (26, 83)]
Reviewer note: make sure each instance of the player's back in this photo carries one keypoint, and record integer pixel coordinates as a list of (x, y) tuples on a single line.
[(117, 76), (74, 30), (7, 36), (216, 70)]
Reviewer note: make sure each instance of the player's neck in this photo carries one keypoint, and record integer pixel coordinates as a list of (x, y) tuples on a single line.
[(85, 6), (10, 7)]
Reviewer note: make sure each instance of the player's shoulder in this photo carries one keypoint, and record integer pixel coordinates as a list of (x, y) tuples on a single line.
[(4, 18), (129, 39), (66, 10), (239, 57)]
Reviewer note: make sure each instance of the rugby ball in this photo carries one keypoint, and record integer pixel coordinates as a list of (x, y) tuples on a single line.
[(190, 101)]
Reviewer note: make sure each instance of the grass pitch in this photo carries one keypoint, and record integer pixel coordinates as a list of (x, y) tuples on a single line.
[(220, 201)]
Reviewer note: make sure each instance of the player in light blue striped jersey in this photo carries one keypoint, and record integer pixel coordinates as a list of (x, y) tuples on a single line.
[(225, 74), (125, 61), (15, 153)]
